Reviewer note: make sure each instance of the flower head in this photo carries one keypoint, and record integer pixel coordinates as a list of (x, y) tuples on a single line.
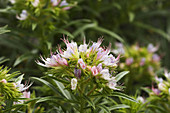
[(23, 15), (156, 58), (35, 3), (152, 49), (129, 61), (55, 2)]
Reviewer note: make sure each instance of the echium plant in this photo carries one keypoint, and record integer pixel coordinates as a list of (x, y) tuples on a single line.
[(159, 95), (44, 17), (11, 89), (88, 74), (142, 62)]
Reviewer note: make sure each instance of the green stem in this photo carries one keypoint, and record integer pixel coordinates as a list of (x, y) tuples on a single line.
[(82, 99)]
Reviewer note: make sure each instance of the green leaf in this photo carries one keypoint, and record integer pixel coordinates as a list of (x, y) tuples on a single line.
[(48, 84), (3, 59), (121, 75), (131, 16), (148, 27), (104, 108), (83, 28), (22, 58), (119, 106), (111, 33), (122, 95), (3, 30), (49, 98), (89, 101), (63, 90)]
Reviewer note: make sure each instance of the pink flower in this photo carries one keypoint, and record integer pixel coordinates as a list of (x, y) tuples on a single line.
[(156, 58), (3, 81), (152, 49), (55, 2), (129, 61), (142, 61), (94, 70), (54, 61), (82, 64), (99, 67), (26, 94), (95, 45)]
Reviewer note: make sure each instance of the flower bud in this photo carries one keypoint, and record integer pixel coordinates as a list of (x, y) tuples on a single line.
[(73, 83)]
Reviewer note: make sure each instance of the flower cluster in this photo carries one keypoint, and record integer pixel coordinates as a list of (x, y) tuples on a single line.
[(84, 63), (37, 4), (142, 62), (136, 57), (163, 85), (11, 89)]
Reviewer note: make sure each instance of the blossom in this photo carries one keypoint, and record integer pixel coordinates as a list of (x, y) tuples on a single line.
[(120, 49), (21, 87), (94, 70), (35, 3), (158, 79), (167, 75), (156, 57), (112, 83), (12, 1), (23, 15), (73, 83), (95, 45), (156, 91), (140, 99), (105, 74), (64, 3), (152, 49), (142, 61), (82, 64), (3, 81), (72, 51), (161, 86), (99, 67), (54, 61), (129, 61), (55, 2), (83, 48), (110, 60)]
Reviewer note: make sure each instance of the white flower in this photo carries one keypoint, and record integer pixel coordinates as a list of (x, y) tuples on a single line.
[(140, 99), (167, 75), (105, 74), (162, 86), (73, 83), (55, 2), (112, 84), (83, 48), (12, 1), (152, 49), (72, 51), (23, 15), (35, 3)]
